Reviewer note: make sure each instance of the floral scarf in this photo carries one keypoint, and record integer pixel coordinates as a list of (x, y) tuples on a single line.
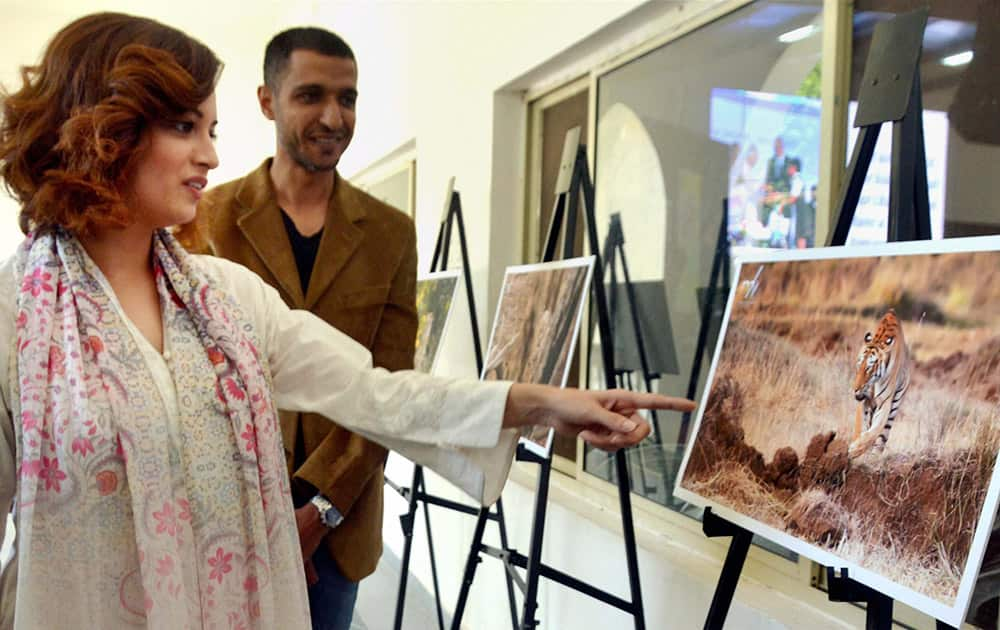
[(126, 515)]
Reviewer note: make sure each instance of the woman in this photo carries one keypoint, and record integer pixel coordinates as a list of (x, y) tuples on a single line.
[(138, 435)]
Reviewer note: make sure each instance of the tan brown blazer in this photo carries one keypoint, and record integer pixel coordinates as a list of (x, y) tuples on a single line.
[(363, 283)]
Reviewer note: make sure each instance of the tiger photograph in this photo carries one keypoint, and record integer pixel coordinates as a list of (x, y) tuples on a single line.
[(852, 414)]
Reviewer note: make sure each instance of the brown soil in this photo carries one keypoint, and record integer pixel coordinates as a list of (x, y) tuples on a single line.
[(722, 439), (930, 503), (927, 505), (954, 369)]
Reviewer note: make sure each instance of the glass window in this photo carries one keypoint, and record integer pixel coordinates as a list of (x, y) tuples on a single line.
[(551, 117), (961, 99), (721, 125)]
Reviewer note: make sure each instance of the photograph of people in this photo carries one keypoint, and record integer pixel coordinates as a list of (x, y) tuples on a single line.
[(140, 449), (769, 205)]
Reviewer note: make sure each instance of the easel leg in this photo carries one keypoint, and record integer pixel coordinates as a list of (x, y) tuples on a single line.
[(731, 568), (502, 524), (470, 568), (631, 553), (528, 621), (406, 520), (430, 550), (921, 193), (879, 613)]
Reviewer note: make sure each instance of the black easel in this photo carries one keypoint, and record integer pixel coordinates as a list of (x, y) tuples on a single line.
[(890, 91), (574, 177), (718, 274), (417, 492), (613, 254)]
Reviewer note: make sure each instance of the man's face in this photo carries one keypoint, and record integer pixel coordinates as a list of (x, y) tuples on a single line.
[(313, 109), (779, 147)]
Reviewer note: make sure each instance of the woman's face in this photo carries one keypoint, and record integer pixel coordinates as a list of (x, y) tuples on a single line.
[(172, 168)]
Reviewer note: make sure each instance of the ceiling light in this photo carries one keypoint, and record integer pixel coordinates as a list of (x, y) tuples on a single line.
[(958, 59), (797, 34)]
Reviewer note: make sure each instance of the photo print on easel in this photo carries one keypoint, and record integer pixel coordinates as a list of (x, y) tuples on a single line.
[(535, 329), (435, 296), (851, 413)]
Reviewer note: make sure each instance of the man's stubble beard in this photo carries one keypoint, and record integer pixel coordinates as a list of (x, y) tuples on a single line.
[(293, 147), (306, 163)]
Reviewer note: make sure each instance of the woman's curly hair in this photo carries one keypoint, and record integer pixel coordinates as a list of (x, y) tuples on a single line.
[(70, 136)]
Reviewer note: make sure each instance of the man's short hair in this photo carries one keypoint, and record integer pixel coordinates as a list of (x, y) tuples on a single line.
[(279, 50)]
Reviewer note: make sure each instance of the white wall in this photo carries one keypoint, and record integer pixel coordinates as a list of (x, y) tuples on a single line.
[(430, 71)]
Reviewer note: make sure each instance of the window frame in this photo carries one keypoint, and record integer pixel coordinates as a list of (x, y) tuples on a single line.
[(401, 159)]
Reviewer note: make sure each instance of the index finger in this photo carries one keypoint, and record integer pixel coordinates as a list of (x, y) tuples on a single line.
[(643, 400)]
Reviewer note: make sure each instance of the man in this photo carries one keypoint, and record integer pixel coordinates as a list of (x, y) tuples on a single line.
[(805, 223), (776, 182), (777, 175), (350, 259)]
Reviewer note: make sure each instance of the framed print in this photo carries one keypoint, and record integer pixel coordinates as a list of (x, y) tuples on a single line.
[(435, 298), (535, 329), (852, 414)]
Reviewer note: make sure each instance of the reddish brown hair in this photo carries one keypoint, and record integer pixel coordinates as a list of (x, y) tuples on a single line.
[(71, 134)]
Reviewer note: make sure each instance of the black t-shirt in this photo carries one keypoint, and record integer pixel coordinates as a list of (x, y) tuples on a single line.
[(304, 249)]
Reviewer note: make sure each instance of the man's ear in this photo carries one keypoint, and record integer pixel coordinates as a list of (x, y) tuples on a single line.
[(266, 99)]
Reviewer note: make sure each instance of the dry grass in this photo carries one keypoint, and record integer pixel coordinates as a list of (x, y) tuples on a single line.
[(744, 493), (881, 528), (933, 575), (774, 419)]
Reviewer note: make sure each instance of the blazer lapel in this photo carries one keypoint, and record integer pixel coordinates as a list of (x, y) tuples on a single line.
[(264, 229), (340, 238)]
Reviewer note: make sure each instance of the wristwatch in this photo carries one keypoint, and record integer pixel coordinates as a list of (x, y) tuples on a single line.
[(328, 514)]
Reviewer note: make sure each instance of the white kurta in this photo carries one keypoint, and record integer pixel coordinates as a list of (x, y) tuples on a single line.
[(450, 426)]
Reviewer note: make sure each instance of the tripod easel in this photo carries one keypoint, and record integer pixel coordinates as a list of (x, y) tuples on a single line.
[(613, 257), (574, 179), (416, 493)]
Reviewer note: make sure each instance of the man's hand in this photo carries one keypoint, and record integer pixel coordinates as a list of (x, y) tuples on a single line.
[(311, 533), (311, 575)]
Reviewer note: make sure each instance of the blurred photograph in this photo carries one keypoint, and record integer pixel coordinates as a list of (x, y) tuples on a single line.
[(852, 414), (535, 329), (435, 296)]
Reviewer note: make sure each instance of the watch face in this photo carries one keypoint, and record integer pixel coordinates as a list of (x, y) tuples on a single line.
[(332, 518)]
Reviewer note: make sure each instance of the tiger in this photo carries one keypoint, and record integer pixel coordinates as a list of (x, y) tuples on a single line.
[(883, 376)]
